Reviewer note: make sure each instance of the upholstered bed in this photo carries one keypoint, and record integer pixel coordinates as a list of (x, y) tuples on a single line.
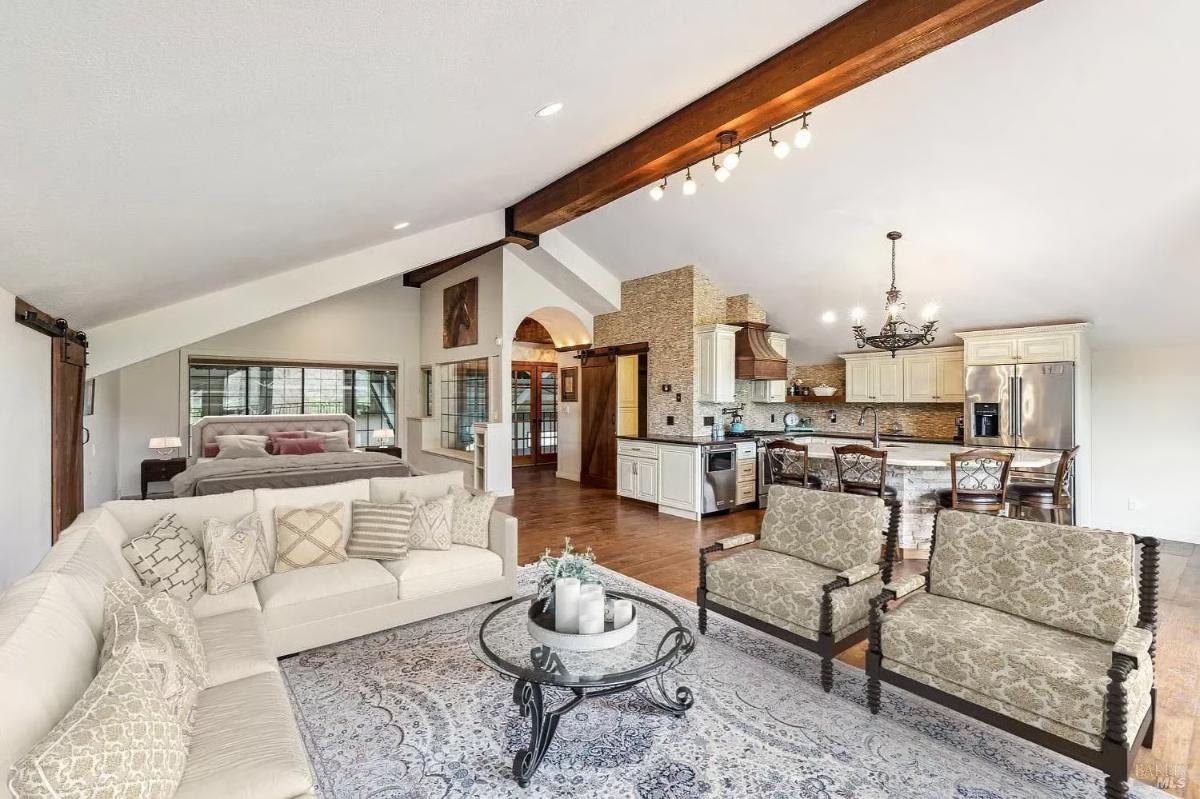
[(206, 475)]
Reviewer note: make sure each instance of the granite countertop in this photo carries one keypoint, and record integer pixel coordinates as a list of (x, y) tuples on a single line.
[(697, 440), (688, 440)]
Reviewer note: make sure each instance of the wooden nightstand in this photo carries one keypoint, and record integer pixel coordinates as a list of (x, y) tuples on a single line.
[(395, 452), (156, 470)]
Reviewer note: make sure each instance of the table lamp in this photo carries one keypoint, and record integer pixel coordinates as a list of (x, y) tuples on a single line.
[(384, 437), (165, 446)]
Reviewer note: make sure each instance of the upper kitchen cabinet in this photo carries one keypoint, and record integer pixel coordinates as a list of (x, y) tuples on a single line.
[(772, 390), (927, 375), (874, 378), (715, 363), (1042, 344), (933, 376)]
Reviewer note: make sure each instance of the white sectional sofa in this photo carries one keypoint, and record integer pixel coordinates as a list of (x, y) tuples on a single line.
[(245, 744)]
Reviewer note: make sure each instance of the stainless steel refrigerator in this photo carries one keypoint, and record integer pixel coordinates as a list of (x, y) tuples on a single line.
[(1021, 405)]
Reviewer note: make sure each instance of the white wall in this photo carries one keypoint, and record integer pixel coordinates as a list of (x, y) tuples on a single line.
[(102, 452), (25, 467), (1144, 441), (374, 324)]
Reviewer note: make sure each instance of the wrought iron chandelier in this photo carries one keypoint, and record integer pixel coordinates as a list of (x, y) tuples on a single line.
[(896, 334)]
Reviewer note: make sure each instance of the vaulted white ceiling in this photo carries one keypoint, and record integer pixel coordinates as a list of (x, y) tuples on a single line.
[(1044, 169), (151, 152)]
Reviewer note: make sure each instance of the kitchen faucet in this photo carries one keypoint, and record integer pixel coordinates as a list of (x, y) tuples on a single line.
[(862, 417)]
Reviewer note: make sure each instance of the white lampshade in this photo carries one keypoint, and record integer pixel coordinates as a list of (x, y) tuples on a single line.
[(385, 434), (166, 442)]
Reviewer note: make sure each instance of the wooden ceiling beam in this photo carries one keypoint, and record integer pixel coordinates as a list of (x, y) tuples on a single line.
[(861, 45), (415, 277)]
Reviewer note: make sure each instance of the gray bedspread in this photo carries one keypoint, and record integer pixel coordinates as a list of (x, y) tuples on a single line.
[(284, 471)]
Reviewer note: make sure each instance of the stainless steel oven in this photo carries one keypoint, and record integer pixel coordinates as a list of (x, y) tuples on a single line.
[(719, 462)]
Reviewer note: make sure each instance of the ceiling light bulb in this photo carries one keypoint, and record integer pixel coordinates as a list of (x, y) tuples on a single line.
[(721, 173), (929, 312), (656, 191), (829, 317), (894, 310), (689, 185), (730, 161), (803, 137), (401, 225), (857, 314), (781, 149), (548, 110)]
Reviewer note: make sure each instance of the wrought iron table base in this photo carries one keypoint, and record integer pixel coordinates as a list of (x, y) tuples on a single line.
[(544, 722)]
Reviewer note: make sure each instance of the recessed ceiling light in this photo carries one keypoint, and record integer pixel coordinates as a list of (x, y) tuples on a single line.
[(548, 110), (401, 225), (829, 317)]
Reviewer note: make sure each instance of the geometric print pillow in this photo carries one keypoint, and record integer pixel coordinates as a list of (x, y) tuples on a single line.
[(472, 513), (175, 614), (166, 558), (234, 554), (432, 523), (119, 739), (309, 536)]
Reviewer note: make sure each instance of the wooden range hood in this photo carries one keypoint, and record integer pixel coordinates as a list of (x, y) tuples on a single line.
[(755, 358)]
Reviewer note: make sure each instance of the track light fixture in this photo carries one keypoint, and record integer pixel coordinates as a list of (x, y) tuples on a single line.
[(729, 154)]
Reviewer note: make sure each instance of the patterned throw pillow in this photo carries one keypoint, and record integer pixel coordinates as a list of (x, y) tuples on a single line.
[(380, 531), (309, 536), (120, 739), (472, 513), (136, 630), (175, 614), (432, 524), (166, 558), (234, 554)]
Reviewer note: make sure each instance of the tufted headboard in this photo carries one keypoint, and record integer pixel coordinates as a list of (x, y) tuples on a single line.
[(207, 428)]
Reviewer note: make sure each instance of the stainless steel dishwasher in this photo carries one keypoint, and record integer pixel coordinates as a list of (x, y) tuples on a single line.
[(719, 462)]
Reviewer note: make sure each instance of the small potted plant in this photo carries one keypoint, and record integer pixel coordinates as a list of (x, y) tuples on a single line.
[(569, 563)]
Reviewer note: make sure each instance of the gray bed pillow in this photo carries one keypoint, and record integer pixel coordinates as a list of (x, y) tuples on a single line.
[(242, 446), (338, 441)]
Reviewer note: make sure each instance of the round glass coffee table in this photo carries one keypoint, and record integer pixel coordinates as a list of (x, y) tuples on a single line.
[(500, 638)]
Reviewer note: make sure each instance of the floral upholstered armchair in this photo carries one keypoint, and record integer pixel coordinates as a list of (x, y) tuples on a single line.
[(1043, 630), (812, 577)]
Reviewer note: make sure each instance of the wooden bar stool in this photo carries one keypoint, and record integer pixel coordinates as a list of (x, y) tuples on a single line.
[(978, 481), (863, 470), (1045, 496), (787, 463)]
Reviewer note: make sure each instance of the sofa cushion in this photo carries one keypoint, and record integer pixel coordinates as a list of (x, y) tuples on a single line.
[(310, 536), (423, 487), (138, 515), (86, 563), (244, 597), (234, 554), (379, 530), (246, 744), (834, 530), (1052, 673), (432, 524), (168, 558), (172, 612), (426, 572), (322, 592), (48, 656), (236, 646), (135, 631), (1074, 578), (789, 588), (472, 513), (120, 739), (266, 500)]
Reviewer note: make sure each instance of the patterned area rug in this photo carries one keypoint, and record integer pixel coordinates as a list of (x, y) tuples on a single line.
[(412, 713)]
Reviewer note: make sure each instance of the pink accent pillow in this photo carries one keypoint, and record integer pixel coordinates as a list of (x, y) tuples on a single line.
[(273, 439), (299, 446), (211, 450)]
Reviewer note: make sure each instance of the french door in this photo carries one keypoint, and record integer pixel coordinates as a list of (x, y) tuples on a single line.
[(534, 413)]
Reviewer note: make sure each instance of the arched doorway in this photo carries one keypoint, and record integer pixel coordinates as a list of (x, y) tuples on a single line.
[(535, 395)]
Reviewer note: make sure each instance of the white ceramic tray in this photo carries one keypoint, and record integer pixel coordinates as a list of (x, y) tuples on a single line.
[(573, 641)]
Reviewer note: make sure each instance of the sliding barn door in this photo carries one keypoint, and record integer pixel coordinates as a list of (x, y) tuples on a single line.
[(598, 450), (68, 360)]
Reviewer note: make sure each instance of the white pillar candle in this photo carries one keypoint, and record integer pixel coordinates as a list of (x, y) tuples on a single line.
[(566, 605), (588, 590), (591, 604), (591, 622), (622, 613)]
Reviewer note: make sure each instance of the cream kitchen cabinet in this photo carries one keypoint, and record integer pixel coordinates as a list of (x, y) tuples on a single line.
[(1043, 344), (874, 379), (637, 478), (679, 480), (772, 390), (714, 346), (935, 377)]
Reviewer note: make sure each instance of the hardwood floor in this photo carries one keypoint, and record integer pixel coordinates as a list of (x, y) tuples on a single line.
[(633, 538)]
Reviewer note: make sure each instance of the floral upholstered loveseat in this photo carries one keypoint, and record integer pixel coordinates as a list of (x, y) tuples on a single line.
[(1043, 630), (812, 577)]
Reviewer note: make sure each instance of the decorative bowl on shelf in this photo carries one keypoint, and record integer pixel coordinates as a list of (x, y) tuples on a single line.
[(824, 390), (541, 626)]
